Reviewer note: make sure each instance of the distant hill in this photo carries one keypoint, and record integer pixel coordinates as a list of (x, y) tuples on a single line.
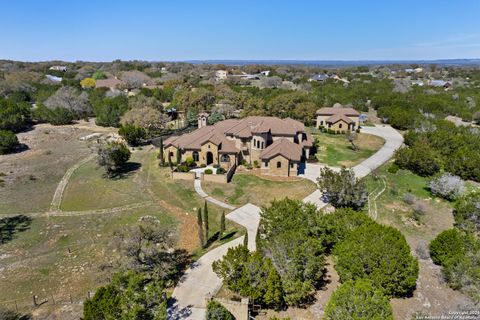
[(340, 63)]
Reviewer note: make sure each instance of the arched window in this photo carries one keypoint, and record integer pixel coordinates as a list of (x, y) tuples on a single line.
[(279, 164), (340, 126), (258, 144), (195, 156), (225, 158)]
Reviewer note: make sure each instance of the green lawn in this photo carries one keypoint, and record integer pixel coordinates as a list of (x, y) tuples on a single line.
[(246, 188), (335, 150)]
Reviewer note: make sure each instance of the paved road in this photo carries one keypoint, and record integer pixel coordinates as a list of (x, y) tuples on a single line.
[(197, 284)]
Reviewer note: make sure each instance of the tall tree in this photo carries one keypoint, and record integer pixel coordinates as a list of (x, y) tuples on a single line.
[(200, 227), (205, 220), (179, 156), (160, 153), (222, 224)]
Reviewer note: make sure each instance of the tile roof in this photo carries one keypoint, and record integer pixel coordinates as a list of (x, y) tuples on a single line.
[(240, 128), (108, 83), (283, 147), (338, 111)]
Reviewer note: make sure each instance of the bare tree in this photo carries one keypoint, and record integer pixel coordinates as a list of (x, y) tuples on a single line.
[(135, 79), (71, 99), (149, 119), (351, 137)]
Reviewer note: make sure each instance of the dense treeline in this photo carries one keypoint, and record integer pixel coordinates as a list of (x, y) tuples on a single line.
[(289, 264), (440, 145)]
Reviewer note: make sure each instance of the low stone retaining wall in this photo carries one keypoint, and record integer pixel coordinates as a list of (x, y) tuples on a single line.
[(239, 309), (219, 178)]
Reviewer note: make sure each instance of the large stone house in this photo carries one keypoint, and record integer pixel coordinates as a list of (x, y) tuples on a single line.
[(277, 146), (338, 118)]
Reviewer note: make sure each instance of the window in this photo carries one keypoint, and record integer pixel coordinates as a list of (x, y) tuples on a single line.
[(258, 144), (195, 156), (263, 143), (266, 164), (279, 164), (225, 158), (171, 154), (321, 123), (340, 126), (291, 165)]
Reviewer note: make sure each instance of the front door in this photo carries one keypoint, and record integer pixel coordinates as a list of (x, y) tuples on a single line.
[(209, 158)]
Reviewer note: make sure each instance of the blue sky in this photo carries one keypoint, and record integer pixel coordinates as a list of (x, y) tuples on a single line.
[(104, 30)]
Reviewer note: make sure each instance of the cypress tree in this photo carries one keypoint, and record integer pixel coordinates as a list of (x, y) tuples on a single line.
[(160, 153), (205, 220), (179, 156), (222, 224), (245, 240), (200, 227), (170, 161)]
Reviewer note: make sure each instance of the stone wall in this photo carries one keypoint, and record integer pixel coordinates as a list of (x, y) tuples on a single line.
[(239, 309)]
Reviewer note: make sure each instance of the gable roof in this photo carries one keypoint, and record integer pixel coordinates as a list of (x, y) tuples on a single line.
[(339, 117), (108, 83), (282, 147), (249, 126)]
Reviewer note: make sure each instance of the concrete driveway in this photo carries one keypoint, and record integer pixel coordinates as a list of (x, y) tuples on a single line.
[(247, 216), (198, 283), (393, 141)]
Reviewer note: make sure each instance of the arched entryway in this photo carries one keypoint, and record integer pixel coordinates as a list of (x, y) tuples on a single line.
[(209, 158)]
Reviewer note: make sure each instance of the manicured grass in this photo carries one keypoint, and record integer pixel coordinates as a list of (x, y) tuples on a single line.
[(89, 189), (246, 188), (335, 150)]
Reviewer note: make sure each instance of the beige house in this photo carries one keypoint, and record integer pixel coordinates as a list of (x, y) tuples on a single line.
[(338, 118), (277, 146)]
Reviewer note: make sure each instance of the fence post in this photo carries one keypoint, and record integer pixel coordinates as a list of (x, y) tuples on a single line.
[(34, 300), (16, 306), (53, 299), (71, 300)]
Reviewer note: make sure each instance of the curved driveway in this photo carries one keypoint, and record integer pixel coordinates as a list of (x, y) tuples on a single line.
[(200, 282)]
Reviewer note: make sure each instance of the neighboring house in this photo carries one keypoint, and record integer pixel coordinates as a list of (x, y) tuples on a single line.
[(221, 75), (111, 83), (440, 83), (265, 73), (319, 77), (59, 68), (278, 146), (338, 118)]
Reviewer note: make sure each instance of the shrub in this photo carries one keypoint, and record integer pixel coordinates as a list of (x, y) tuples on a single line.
[(419, 210), (8, 142), (14, 116), (132, 134), (221, 170), (459, 255), (381, 254), (215, 311), (208, 171), (467, 213), (409, 198), (256, 164), (183, 168), (447, 245), (56, 116), (393, 168), (190, 162), (447, 186), (358, 300), (342, 189)]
